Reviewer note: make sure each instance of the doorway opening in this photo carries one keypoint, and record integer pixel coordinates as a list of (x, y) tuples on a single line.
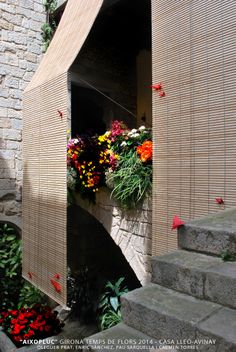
[(111, 76)]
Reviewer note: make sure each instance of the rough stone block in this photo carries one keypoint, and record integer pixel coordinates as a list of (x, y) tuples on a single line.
[(7, 174), (211, 234), (6, 195), (220, 284), (12, 82), (7, 185), (5, 122), (8, 8), (7, 154), (121, 337), (30, 57), (221, 324), (13, 135), (12, 145), (6, 25), (39, 8), (28, 4), (39, 17), (14, 114), (196, 274), (35, 26), (3, 112), (163, 313), (4, 93), (17, 38), (16, 124), (12, 208)]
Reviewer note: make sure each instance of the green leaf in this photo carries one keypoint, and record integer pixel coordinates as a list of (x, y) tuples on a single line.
[(114, 303), (10, 238)]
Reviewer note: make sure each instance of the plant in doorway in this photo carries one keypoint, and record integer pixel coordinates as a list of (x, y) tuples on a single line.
[(110, 306)]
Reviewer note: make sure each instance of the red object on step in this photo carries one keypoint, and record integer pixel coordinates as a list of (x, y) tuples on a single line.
[(60, 113), (162, 94), (57, 276), (156, 86), (177, 222), (219, 200), (56, 285)]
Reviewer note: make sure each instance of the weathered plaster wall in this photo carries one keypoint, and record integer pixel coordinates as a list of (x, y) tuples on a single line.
[(20, 53), (130, 230)]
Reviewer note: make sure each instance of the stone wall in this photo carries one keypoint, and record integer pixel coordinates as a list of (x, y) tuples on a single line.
[(20, 53), (130, 230)]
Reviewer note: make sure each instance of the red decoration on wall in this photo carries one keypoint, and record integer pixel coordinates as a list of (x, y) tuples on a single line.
[(60, 113), (56, 285), (57, 276), (30, 274), (219, 200), (156, 86), (162, 94), (177, 222)]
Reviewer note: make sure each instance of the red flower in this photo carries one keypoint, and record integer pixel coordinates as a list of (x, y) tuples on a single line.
[(56, 285), (60, 113), (16, 330), (17, 338), (177, 222), (48, 328), (30, 274), (145, 151), (57, 276), (156, 86), (162, 94), (14, 312), (219, 200)]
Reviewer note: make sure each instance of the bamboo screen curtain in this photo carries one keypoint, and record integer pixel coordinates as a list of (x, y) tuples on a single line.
[(45, 115), (195, 123)]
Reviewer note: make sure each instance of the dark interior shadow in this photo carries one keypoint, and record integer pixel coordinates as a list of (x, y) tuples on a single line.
[(92, 252)]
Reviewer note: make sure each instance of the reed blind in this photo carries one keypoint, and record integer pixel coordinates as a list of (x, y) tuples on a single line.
[(46, 109), (194, 125), (45, 188)]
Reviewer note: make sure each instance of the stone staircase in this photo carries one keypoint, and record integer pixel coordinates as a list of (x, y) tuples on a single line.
[(191, 302)]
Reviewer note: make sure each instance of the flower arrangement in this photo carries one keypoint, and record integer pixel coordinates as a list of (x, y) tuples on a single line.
[(37, 322), (87, 158), (120, 159)]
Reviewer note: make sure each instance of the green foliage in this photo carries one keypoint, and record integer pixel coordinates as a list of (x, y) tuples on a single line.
[(29, 295), (50, 5), (15, 292), (48, 28), (227, 256), (132, 180), (10, 267), (110, 304)]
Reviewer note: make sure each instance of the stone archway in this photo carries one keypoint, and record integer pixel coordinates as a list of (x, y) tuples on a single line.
[(130, 230)]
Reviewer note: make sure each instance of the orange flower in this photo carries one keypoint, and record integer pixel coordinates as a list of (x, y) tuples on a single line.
[(145, 151)]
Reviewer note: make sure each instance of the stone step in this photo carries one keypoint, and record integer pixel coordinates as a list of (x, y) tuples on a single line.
[(212, 234), (121, 337), (198, 275), (166, 314)]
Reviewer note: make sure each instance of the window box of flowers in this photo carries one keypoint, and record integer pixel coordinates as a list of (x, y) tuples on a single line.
[(121, 159)]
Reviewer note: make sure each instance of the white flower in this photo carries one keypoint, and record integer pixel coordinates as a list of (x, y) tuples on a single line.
[(135, 135), (133, 130), (142, 128), (123, 144), (76, 141)]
